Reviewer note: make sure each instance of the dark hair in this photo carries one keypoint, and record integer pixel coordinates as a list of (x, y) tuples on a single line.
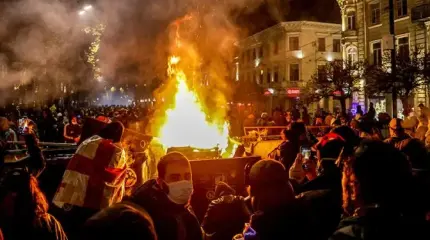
[(299, 128), (383, 174), (416, 152), (332, 149), (169, 158), (290, 135), (118, 219), (269, 185), (112, 131), (30, 202)]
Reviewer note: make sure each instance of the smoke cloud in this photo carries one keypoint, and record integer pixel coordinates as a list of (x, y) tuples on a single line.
[(44, 49)]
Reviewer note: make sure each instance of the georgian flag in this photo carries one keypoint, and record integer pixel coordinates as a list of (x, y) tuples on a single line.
[(94, 177)]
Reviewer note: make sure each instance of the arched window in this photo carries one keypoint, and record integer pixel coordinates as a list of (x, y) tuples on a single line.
[(351, 55)]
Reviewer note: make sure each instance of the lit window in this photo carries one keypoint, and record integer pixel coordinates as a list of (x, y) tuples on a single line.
[(375, 13), (402, 8), (351, 21), (336, 45), (294, 72), (377, 53), (293, 43), (321, 44)]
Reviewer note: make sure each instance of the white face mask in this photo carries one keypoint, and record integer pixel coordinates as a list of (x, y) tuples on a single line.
[(180, 192)]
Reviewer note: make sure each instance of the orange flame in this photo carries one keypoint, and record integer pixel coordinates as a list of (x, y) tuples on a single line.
[(186, 123)]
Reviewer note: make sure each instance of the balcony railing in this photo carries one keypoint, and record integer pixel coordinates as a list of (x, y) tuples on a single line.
[(421, 13)]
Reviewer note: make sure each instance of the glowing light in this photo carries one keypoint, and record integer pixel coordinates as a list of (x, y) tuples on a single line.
[(82, 12), (271, 90), (329, 58), (257, 62), (88, 7), (112, 89), (186, 124), (299, 54)]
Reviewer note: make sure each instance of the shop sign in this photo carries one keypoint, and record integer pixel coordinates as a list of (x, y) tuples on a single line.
[(293, 92)]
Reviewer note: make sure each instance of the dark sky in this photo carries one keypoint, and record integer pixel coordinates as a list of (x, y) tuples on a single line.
[(275, 11)]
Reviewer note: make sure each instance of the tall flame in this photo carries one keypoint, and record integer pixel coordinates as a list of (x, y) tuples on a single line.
[(186, 123)]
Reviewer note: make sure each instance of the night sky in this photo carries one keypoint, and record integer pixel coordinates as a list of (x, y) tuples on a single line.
[(275, 11)]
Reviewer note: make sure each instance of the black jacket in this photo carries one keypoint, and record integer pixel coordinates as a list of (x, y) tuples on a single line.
[(381, 223), (288, 222), (172, 221), (226, 217), (45, 227)]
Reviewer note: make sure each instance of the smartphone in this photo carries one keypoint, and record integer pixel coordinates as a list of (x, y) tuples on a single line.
[(306, 152)]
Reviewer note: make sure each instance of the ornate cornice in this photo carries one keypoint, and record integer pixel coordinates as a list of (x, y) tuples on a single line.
[(293, 26)]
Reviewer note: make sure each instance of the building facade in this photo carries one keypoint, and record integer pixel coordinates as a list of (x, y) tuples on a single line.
[(365, 31), (283, 57)]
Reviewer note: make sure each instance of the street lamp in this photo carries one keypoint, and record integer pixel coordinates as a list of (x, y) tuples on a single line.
[(85, 9)]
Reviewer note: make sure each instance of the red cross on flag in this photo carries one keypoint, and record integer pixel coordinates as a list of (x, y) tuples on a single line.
[(94, 177)]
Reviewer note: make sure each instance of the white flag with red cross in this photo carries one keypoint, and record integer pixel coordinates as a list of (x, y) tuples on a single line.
[(94, 177)]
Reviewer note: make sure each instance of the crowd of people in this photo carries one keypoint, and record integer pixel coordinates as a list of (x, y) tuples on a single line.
[(350, 183)]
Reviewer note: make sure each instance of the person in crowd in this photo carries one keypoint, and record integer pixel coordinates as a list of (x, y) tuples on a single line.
[(24, 209), (371, 113), (422, 128), (122, 220), (249, 121), (166, 199), (72, 131), (6, 132), (226, 215), (355, 126), (329, 176), (397, 132), (263, 121), (34, 163), (276, 211), (306, 118), (288, 148), (378, 194), (101, 165), (288, 119), (424, 111), (47, 127), (60, 127), (359, 110), (319, 121)]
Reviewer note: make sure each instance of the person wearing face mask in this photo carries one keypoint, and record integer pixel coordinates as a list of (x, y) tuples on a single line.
[(166, 199)]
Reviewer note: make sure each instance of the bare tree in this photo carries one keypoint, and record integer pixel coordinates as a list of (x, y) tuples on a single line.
[(337, 79), (412, 73)]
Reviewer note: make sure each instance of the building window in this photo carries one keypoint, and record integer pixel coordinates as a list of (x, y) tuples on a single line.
[(294, 72), (403, 45), (321, 72), (260, 52), (254, 54), (377, 53), (321, 44), (261, 78), (269, 76), (336, 45), (293, 43), (352, 55), (275, 47), (402, 8), (276, 74), (249, 55), (351, 20), (375, 13)]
